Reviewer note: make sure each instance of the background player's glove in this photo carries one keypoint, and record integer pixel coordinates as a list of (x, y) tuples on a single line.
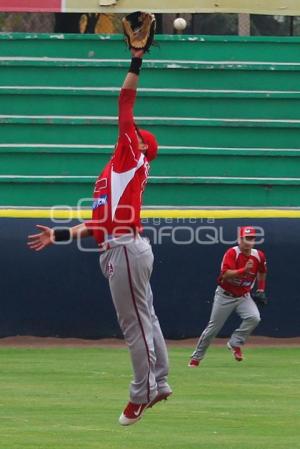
[(139, 29), (259, 297)]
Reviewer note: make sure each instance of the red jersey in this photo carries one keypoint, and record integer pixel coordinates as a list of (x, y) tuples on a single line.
[(119, 188), (234, 259)]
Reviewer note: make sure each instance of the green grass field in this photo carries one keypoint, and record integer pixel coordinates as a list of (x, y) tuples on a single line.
[(71, 398)]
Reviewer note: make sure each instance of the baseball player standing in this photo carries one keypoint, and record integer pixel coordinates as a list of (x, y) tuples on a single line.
[(126, 258), (241, 267)]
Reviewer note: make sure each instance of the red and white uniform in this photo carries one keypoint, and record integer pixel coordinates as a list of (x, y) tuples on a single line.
[(234, 259), (128, 263), (119, 188)]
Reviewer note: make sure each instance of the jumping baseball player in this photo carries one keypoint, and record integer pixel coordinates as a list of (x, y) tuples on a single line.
[(241, 267), (126, 258)]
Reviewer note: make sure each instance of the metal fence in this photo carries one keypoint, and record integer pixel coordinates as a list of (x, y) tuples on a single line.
[(27, 22)]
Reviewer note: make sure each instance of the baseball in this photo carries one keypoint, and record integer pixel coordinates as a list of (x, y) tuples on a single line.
[(180, 24)]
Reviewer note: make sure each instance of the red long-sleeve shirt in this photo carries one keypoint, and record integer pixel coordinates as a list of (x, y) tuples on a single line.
[(119, 188)]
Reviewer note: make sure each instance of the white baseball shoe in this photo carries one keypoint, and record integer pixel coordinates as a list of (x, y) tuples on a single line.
[(132, 413)]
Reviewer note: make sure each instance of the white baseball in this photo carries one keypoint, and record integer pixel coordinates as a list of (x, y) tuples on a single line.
[(180, 24)]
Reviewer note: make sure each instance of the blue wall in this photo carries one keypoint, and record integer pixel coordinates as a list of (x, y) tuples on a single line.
[(61, 292)]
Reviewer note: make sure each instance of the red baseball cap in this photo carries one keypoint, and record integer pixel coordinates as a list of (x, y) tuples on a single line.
[(246, 231), (149, 139)]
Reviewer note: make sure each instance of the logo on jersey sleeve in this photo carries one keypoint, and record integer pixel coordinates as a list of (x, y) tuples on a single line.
[(101, 201)]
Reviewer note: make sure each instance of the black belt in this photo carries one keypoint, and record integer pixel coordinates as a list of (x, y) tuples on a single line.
[(230, 294)]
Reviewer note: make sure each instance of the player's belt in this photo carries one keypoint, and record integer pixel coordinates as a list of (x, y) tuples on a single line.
[(231, 295), (113, 242)]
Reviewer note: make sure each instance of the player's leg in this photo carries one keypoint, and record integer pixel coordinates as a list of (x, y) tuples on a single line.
[(162, 360), (223, 306), (129, 269), (248, 311)]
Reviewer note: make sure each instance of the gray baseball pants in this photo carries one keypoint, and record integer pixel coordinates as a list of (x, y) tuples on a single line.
[(128, 267), (223, 307)]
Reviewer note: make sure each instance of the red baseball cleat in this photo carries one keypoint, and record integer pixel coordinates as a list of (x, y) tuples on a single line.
[(160, 397), (236, 352), (132, 413), (193, 363)]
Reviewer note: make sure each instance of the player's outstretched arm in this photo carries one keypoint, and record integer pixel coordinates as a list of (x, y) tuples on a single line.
[(131, 80), (49, 236), (139, 29), (128, 93)]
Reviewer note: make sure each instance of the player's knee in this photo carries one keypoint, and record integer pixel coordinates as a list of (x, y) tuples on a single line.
[(255, 320)]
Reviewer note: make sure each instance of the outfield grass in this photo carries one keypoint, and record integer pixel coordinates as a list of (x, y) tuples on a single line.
[(71, 399)]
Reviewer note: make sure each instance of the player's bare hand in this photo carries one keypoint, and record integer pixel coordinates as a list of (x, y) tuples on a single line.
[(249, 266), (37, 242), (137, 53)]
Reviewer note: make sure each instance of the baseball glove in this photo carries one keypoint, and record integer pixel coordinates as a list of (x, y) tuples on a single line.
[(139, 29), (260, 298)]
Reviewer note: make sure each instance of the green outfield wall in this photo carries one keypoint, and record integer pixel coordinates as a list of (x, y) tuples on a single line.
[(226, 111)]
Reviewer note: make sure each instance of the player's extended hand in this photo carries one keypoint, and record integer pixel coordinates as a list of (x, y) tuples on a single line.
[(139, 29), (37, 242)]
